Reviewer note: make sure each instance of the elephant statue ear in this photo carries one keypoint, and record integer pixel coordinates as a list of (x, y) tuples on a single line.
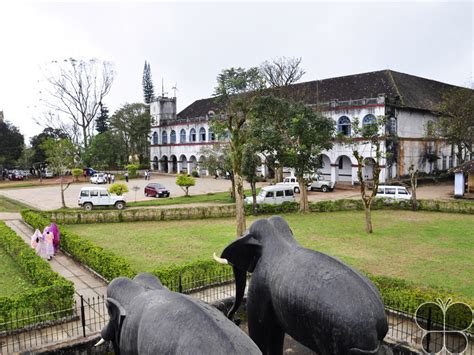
[(148, 281), (117, 315), (244, 253)]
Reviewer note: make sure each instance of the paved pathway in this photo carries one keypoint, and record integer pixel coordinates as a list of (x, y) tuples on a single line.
[(85, 282)]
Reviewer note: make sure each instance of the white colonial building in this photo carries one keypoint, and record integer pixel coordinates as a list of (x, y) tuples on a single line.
[(409, 101)]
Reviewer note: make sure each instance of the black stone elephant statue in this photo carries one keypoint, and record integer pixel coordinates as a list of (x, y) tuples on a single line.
[(147, 318), (320, 301)]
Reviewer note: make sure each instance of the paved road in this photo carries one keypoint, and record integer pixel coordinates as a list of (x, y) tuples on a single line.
[(48, 197)]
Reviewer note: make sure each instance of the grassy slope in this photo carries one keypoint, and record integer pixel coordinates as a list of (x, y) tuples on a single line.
[(9, 205), (11, 279), (428, 248)]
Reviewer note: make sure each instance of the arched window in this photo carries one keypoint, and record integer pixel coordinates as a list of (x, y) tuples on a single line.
[(182, 136), (173, 137), (344, 126), (368, 119), (212, 135), (164, 137), (155, 138), (192, 135), (202, 134)]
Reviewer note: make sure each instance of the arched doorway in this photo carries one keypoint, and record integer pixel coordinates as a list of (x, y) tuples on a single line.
[(343, 168), (183, 164), (202, 166), (155, 163), (192, 164), (325, 169), (174, 164), (164, 164), (368, 169)]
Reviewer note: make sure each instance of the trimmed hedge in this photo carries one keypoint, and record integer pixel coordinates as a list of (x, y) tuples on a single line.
[(52, 292), (102, 261)]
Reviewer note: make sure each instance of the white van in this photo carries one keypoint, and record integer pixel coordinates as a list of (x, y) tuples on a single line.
[(274, 195), (395, 192)]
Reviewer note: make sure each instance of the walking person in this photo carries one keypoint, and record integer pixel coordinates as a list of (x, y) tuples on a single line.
[(146, 174), (113, 178), (126, 176)]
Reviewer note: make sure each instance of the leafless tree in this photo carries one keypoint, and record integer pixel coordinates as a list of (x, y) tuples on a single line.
[(282, 71), (76, 89)]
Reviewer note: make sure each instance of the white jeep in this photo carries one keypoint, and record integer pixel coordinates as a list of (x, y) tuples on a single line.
[(290, 182), (99, 196), (318, 182)]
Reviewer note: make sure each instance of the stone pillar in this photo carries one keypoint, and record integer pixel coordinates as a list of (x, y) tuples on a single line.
[(170, 167), (264, 170), (180, 166), (354, 178), (190, 167)]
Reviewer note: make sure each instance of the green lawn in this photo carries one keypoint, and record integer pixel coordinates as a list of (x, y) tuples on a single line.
[(9, 205), (425, 247), (12, 281)]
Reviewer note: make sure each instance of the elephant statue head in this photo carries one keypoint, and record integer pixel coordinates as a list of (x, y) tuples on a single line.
[(320, 301), (146, 318)]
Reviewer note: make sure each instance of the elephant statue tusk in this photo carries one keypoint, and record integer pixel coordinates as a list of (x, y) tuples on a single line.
[(220, 260), (100, 342)]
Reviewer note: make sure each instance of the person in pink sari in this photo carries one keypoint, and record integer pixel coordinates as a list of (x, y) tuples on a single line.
[(57, 235)]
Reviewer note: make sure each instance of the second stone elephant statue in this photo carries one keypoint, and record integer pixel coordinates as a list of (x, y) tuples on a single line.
[(321, 302), (147, 318)]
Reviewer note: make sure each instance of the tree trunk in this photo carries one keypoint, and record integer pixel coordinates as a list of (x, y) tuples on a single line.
[(254, 197), (232, 191), (368, 219), (62, 192), (304, 205), (239, 205)]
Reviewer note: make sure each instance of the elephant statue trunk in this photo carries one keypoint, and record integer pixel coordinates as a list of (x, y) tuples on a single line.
[(321, 302)]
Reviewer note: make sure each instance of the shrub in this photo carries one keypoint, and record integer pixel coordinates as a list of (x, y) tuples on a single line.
[(76, 172), (52, 292), (118, 188), (194, 174), (132, 170), (185, 182)]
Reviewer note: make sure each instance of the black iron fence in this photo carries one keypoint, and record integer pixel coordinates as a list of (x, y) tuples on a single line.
[(88, 316)]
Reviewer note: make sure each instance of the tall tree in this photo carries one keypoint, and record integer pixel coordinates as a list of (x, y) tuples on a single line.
[(236, 90), (296, 134), (39, 155), (367, 137), (76, 88), (251, 161), (102, 122), (11, 143), (148, 88), (217, 161), (60, 155), (456, 123), (132, 122), (282, 71), (107, 150)]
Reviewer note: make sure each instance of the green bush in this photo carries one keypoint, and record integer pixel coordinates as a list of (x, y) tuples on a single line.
[(76, 172), (52, 292), (195, 174), (102, 261), (185, 182), (132, 170), (118, 188)]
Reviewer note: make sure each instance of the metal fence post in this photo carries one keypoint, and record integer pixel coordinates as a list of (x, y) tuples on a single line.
[(83, 317), (180, 283), (428, 328)]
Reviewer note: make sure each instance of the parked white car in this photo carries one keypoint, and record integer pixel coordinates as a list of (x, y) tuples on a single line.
[(290, 182), (393, 192), (98, 178), (99, 196), (273, 195), (318, 182)]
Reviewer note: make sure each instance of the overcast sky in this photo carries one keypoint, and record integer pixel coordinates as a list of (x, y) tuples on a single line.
[(189, 43)]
